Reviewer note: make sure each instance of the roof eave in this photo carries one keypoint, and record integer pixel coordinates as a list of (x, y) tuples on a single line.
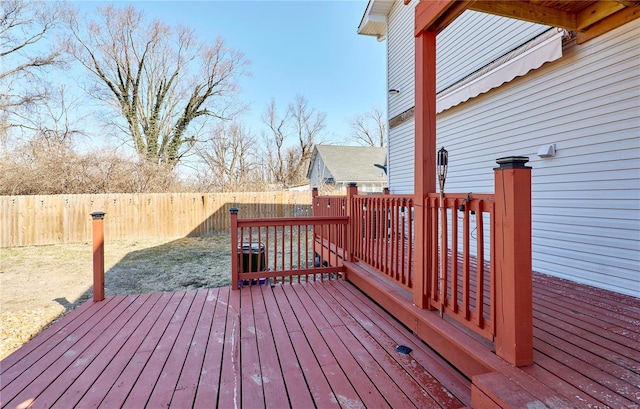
[(374, 20)]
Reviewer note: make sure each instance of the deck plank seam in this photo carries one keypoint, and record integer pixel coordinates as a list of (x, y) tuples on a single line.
[(143, 313), (286, 352), (161, 351), (322, 359), (150, 336), (95, 349), (420, 347), (179, 353), (58, 358), (361, 330), (418, 350), (182, 392), (110, 367), (330, 336)]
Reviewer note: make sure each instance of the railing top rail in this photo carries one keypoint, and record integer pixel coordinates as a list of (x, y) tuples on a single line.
[(474, 196), (384, 197), (294, 221)]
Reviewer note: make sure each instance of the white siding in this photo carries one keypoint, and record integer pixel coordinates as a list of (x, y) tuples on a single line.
[(504, 34), (400, 57), (400, 165), (586, 200)]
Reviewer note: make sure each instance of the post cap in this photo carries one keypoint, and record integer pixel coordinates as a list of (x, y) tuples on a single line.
[(512, 162), (98, 215), (353, 184), (234, 210)]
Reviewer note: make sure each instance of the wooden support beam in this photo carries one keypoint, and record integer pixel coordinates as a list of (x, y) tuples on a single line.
[(605, 25), (427, 12), (597, 12), (523, 10), (425, 156)]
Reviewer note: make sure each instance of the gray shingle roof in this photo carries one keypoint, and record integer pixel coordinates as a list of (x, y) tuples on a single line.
[(352, 163)]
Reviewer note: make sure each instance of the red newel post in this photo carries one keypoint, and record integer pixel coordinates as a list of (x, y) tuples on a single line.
[(314, 195), (98, 255), (513, 287), (234, 248), (352, 191)]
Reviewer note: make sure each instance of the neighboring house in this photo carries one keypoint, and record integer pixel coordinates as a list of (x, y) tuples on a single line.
[(507, 87), (334, 167)]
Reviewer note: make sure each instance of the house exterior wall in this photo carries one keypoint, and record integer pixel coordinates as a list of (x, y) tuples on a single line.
[(586, 200), (506, 35), (319, 173)]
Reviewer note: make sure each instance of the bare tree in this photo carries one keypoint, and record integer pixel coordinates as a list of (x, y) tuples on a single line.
[(162, 81), (290, 140), (229, 156), (23, 26), (51, 121), (370, 128), (24, 59)]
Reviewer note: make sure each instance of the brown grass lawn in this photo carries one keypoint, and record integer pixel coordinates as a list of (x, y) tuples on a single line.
[(40, 284)]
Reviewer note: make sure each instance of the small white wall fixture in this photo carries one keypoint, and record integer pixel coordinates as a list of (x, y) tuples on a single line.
[(547, 151)]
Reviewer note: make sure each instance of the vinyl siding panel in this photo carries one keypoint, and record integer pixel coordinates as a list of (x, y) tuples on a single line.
[(400, 166), (497, 37), (504, 34), (586, 200), (400, 57)]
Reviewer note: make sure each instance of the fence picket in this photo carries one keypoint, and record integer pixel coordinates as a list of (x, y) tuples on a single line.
[(58, 219)]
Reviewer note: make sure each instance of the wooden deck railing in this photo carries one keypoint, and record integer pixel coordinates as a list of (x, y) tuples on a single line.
[(382, 231), (455, 280), (271, 250), (330, 206), (462, 228)]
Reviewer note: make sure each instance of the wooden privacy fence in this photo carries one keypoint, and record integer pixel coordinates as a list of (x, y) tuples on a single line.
[(57, 219)]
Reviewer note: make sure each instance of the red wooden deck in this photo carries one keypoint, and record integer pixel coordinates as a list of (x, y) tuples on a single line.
[(317, 344), (586, 346)]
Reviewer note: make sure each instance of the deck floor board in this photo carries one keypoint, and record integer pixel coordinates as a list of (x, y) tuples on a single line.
[(283, 346), (310, 344)]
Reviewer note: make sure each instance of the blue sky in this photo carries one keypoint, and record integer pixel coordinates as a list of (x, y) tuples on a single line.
[(295, 47)]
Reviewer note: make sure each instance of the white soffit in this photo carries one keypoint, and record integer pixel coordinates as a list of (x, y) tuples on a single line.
[(545, 48), (374, 20)]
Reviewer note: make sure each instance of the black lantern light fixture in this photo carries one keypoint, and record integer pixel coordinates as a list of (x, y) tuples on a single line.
[(442, 167)]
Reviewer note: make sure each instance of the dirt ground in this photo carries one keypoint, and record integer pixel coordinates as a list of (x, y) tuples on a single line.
[(40, 284)]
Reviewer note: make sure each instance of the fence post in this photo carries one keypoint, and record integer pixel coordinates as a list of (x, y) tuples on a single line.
[(234, 248), (385, 191), (513, 313), (98, 255)]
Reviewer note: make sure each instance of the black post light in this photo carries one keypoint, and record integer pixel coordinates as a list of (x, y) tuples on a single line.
[(442, 167), (442, 163)]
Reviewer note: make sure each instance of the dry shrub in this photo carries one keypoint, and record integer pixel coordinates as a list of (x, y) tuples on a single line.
[(42, 167)]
